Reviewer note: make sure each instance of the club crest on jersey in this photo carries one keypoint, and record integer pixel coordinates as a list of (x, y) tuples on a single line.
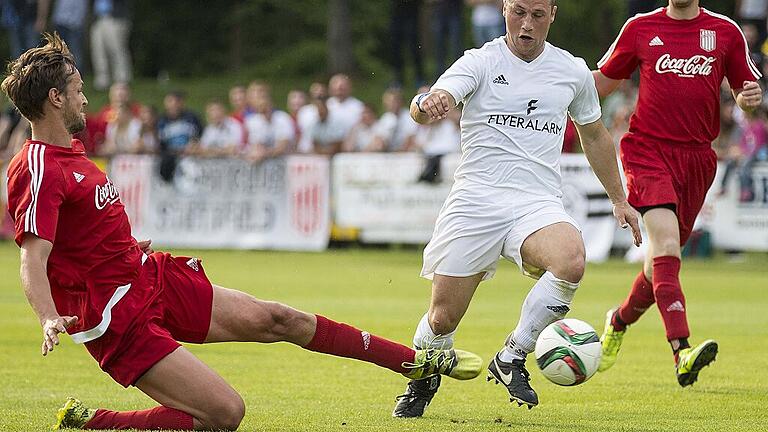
[(708, 40), (106, 194), (685, 67)]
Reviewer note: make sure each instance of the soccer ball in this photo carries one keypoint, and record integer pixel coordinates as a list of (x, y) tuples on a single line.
[(568, 352)]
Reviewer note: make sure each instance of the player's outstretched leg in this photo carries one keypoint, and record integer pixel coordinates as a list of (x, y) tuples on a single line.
[(548, 301), (240, 317), (436, 330)]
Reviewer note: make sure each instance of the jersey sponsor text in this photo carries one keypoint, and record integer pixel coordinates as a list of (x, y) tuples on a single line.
[(687, 68), (518, 122)]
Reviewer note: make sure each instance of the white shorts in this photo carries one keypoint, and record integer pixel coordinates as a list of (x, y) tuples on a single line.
[(472, 231)]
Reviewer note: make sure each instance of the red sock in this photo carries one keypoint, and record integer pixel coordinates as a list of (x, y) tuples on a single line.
[(346, 341), (640, 298), (669, 296), (156, 418)]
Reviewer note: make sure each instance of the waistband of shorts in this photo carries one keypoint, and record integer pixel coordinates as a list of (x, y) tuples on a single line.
[(672, 145)]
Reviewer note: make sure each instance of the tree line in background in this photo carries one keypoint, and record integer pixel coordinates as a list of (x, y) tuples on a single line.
[(313, 38)]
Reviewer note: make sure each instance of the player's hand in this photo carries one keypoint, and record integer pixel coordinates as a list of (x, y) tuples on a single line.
[(146, 246), (436, 104), (751, 96), (52, 328), (627, 218)]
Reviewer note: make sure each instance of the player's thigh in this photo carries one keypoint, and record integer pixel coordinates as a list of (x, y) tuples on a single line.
[(557, 248), (450, 300), (182, 381), (663, 230), (237, 316)]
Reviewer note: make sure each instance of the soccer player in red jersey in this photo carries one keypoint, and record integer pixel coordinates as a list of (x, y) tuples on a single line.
[(84, 274), (683, 52)]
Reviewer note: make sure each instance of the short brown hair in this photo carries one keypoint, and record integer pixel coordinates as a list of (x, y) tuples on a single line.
[(30, 77)]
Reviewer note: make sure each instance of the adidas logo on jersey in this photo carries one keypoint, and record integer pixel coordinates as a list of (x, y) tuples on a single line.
[(676, 307), (192, 263), (78, 177), (656, 41), (500, 80)]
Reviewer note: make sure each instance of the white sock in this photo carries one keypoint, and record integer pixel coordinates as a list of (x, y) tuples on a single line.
[(548, 301), (426, 338)]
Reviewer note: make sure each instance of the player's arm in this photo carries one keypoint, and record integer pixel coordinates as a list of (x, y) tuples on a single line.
[(749, 97), (431, 106), (34, 278), (605, 86), (601, 154)]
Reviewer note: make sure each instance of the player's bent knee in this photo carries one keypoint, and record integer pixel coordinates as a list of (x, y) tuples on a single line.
[(571, 268), (225, 414), (442, 321), (667, 247)]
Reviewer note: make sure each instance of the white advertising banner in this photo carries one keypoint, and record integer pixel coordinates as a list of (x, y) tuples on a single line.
[(380, 195), (737, 224), (217, 203)]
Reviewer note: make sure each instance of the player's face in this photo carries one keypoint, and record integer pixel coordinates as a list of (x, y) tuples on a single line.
[(74, 104), (683, 4), (528, 24)]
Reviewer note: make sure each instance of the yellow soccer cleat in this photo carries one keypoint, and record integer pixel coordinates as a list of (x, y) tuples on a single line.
[(458, 364), (611, 342), (73, 415), (692, 360)]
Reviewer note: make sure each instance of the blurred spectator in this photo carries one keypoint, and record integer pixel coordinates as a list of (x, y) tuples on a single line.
[(25, 20), (109, 42), (69, 20), (296, 100), (177, 129), (395, 126), (96, 126), (14, 130), (149, 141), (342, 104), (435, 141), (487, 20), (752, 147), (238, 102), (361, 137), (622, 100), (327, 134), (635, 7), (404, 32), (754, 12), (270, 131), (222, 136), (446, 31), (255, 92), (307, 116), (753, 44), (122, 134)]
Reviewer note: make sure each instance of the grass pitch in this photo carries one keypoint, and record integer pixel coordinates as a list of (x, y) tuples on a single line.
[(286, 388)]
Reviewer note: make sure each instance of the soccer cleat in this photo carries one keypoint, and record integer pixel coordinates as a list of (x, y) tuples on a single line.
[(611, 342), (515, 377), (417, 397), (73, 415), (458, 364), (690, 361)]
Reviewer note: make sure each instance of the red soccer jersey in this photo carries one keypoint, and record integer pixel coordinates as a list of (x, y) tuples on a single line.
[(59, 195), (682, 64)]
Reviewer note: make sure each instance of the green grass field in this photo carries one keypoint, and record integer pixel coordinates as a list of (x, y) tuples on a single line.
[(286, 388)]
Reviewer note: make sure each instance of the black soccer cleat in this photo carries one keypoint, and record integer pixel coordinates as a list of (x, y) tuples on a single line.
[(416, 398), (515, 377)]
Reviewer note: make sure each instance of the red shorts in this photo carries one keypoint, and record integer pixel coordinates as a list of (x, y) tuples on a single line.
[(659, 174), (179, 309)]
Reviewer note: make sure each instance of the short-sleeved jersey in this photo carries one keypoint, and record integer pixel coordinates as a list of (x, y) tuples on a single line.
[(682, 64), (514, 114), (59, 195)]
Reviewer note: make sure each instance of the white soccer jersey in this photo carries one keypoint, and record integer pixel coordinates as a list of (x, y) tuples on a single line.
[(514, 114)]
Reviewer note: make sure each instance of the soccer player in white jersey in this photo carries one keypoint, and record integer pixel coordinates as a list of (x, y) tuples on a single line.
[(506, 200)]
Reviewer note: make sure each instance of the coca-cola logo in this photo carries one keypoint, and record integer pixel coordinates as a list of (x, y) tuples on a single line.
[(690, 67), (106, 194)]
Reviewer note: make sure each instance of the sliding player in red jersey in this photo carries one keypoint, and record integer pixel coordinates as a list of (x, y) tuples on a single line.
[(84, 274), (683, 53)]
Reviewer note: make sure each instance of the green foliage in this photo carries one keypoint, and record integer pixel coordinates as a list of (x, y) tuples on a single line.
[(289, 389)]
